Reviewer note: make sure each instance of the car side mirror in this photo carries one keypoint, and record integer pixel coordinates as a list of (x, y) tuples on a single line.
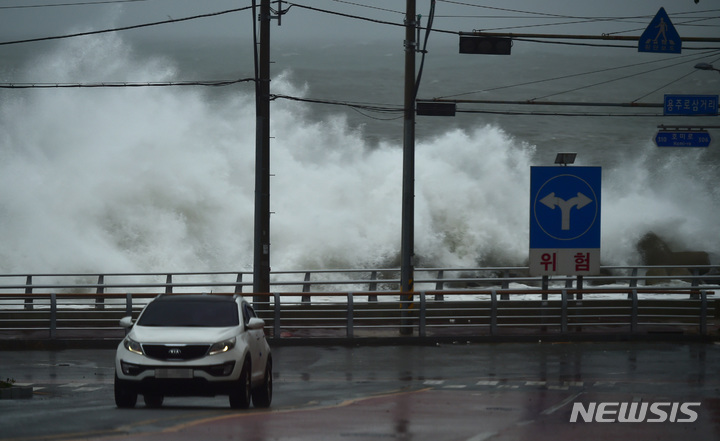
[(256, 323), (126, 322)]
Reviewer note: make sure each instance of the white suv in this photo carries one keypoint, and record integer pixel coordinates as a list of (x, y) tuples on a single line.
[(194, 345)]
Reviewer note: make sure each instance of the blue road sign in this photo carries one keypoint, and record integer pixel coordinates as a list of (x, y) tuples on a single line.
[(690, 105), (660, 36), (676, 138), (565, 207)]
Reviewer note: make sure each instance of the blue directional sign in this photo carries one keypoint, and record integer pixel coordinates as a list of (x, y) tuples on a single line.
[(685, 105), (660, 36), (565, 207), (564, 221), (677, 138)]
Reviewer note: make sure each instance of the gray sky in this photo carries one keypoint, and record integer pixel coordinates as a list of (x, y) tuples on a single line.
[(19, 20)]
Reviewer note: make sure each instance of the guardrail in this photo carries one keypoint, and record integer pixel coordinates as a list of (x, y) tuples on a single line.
[(450, 302), (461, 314), (387, 279)]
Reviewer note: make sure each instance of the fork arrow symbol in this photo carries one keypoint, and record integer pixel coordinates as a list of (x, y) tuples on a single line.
[(553, 201)]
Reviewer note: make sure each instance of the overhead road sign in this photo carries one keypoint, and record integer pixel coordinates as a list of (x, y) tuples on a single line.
[(680, 138), (565, 220), (660, 36), (434, 108), (684, 105), (471, 44)]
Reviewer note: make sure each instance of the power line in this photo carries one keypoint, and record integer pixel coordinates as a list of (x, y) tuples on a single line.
[(342, 14), (99, 2), (125, 28), (212, 83), (564, 77), (368, 6)]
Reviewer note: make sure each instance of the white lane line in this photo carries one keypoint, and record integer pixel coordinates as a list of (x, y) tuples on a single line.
[(560, 405), (87, 389), (482, 436)]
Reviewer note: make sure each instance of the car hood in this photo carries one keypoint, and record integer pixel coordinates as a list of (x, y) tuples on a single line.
[(162, 334)]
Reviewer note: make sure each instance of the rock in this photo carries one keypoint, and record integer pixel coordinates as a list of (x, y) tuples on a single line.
[(655, 251)]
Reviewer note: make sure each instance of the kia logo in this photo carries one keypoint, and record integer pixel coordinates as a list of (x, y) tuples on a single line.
[(174, 351)]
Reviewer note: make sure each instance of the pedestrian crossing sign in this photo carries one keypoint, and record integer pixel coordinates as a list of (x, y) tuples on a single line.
[(660, 36)]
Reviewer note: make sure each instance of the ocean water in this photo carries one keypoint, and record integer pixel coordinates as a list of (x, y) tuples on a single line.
[(162, 179)]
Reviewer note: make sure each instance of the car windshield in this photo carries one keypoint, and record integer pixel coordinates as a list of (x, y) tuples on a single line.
[(190, 313)]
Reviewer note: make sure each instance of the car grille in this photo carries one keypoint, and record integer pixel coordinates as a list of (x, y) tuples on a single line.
[(174, 352)]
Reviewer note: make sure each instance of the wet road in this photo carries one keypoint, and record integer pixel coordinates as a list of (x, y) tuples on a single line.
[(449, 392)]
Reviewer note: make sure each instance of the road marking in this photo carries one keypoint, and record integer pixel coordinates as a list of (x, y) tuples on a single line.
[(486, 383), (434, 382), (482, 436), (560, 405), (73, 385), (87, 389)]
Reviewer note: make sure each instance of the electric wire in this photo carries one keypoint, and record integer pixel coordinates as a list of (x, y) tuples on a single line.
[(88, 3), (564, 77), (359, 107), (431, 17), (342, 14), (368, 6), (213, 83), (125, 28), (623, 78)]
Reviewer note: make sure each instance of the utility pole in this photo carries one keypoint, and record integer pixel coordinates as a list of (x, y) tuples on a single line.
[(408, 193), (261, 265)]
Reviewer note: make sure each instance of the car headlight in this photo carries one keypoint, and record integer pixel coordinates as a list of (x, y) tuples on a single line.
[(223, 346), (132, 346)]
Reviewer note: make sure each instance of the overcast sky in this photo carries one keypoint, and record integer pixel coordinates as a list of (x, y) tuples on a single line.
[(39, 18)]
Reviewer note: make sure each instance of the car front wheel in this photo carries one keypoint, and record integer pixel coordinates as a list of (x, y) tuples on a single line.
[(124, 396), (240, 392), (262, 395)]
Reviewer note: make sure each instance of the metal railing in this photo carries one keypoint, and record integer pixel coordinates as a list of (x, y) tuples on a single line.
[(448, 302)]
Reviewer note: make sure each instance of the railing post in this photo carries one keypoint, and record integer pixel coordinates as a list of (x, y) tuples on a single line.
[(128, 308), (99, 300), (372, 286), (350, 312), (128, 304), (493, 312), (276, 317), (53, 316), (28, 291), (440, 285), (505, 284), (580, 287), (633, 281), (306, 288), (695, 294), (634, 313), (564, 312), (238, 283), (703, 312), (423, 304), (168, 287), (545, 287)]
